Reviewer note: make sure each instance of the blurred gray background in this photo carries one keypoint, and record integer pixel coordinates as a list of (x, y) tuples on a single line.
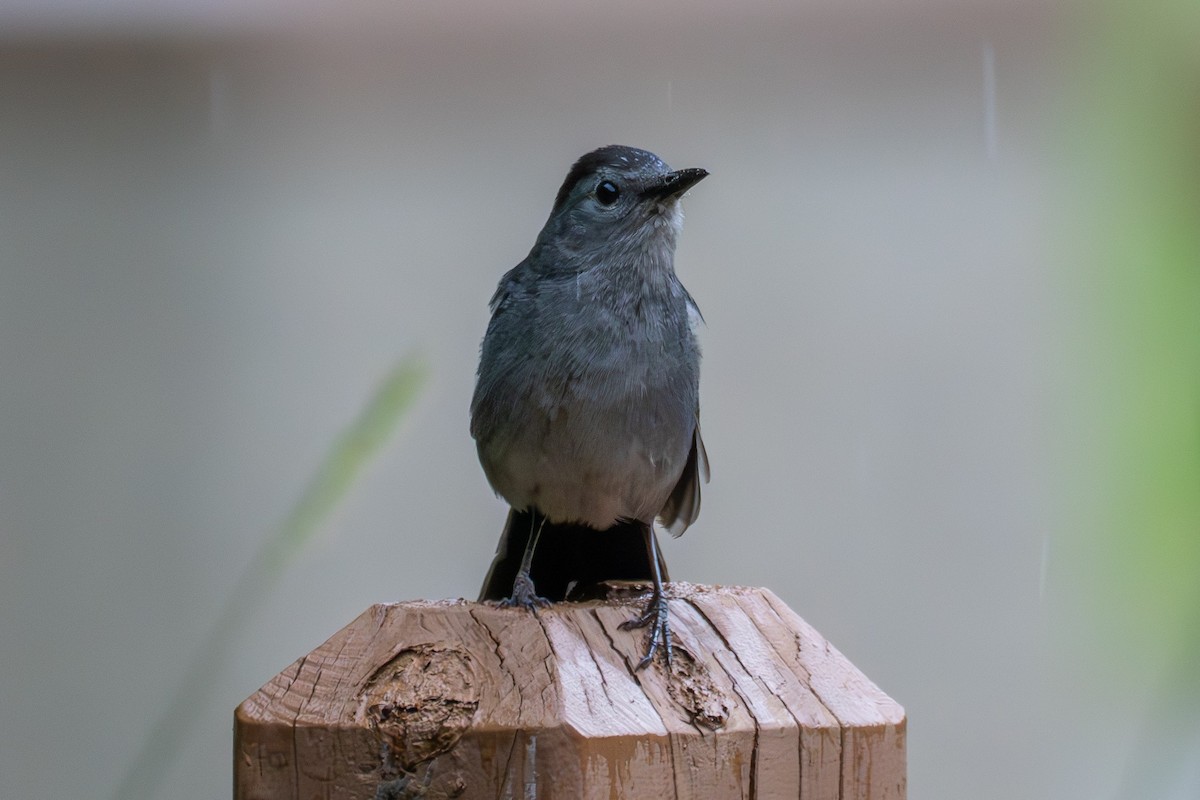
[(222, 224)]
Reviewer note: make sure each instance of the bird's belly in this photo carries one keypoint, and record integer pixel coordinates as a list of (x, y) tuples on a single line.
[(615, 461)]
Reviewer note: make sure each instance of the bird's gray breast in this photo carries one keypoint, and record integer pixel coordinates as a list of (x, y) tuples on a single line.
[(587, 397)]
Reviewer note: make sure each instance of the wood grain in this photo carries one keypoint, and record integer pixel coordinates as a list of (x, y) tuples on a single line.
[(467, 700)]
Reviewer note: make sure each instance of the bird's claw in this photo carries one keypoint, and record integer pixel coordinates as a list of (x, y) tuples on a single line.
[(655, 617), (524, 595)]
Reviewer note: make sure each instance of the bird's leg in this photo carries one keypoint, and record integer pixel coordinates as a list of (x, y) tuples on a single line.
[(655, 615), (523, 593)]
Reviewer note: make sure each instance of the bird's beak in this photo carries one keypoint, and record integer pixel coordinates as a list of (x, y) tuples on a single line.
[(674, 184)]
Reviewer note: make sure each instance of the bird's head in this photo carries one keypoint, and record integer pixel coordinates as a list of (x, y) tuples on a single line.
[(619, 199)]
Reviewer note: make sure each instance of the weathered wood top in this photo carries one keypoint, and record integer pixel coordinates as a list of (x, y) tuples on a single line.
[(459, 699)]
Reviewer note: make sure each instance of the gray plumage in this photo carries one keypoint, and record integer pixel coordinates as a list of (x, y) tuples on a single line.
[(586, 407), (587, 400)]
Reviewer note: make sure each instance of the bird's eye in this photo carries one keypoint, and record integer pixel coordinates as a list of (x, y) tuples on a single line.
[(607, 193)]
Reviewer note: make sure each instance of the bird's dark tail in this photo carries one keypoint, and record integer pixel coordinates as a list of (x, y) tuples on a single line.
[(570, 559)]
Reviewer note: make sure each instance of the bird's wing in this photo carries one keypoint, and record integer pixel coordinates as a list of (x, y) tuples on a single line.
[(683, 506)]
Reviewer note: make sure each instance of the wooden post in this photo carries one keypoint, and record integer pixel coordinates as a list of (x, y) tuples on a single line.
[(466, 700)]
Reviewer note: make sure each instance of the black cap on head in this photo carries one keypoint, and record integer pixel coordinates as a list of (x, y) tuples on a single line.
[(613, 156)]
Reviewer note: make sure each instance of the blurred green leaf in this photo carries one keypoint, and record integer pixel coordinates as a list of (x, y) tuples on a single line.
[(1139, 505), (350, 455), (336, 474)]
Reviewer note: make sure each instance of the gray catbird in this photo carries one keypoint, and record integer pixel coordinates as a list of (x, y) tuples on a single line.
[(586, 407)]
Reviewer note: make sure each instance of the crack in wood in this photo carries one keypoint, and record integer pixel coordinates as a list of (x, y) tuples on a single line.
[(794, 660), (672, 739), (503, 789), (595, 661), (754, 750), (811, 719)]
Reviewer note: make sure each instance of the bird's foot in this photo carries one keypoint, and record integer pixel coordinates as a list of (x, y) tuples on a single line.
[(654, 617), (524, 595)]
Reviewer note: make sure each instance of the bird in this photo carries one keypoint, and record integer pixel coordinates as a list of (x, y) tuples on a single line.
[(586, 414)]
